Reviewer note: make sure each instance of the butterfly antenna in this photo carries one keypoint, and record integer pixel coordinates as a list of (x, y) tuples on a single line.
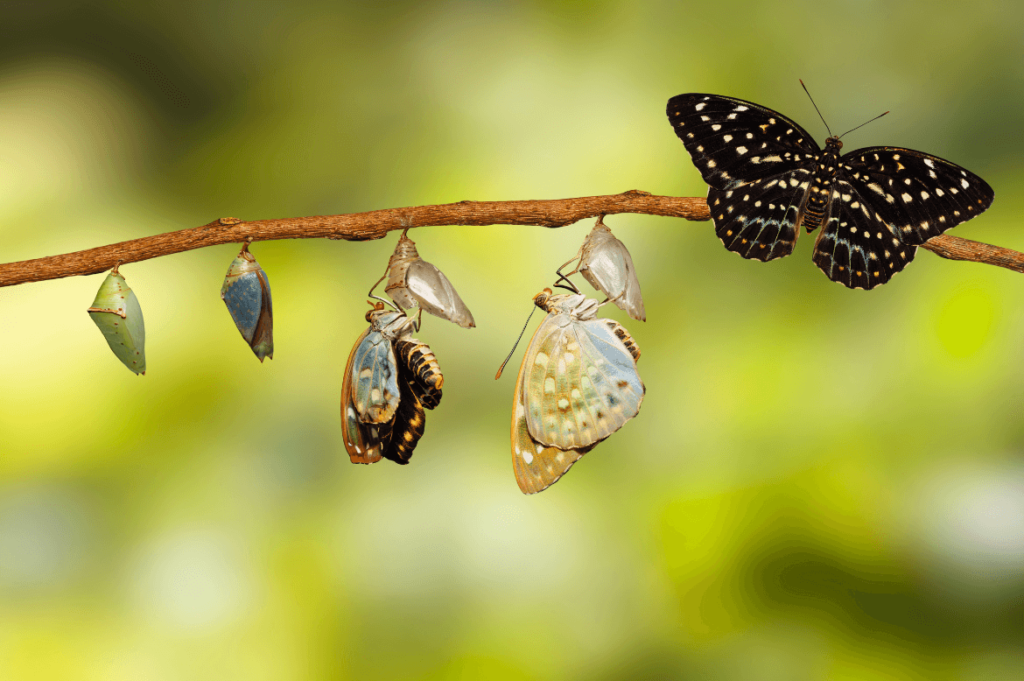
[(815, 107), (862, 125), (502, 368)]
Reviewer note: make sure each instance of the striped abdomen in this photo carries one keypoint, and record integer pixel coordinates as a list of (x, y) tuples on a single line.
[(425, 374), (819, 189), (627, 340)]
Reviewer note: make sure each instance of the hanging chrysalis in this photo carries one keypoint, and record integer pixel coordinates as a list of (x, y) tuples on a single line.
[(414, 282), (117, 313), (606, 264), (246, 292)]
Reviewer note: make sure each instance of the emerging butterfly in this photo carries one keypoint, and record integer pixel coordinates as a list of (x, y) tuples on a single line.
[(577, 385), (767, 177), (389, 379)]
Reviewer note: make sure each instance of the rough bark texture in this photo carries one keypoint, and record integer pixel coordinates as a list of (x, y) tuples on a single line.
[(375, 224)]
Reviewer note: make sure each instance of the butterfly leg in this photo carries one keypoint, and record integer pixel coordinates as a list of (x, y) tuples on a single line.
[(611, 300), (383, 300), (565, 277)]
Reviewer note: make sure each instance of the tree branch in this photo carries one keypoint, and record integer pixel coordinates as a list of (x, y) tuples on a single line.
[(375, 224)]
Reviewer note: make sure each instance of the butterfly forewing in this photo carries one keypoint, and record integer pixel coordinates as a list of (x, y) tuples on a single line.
[(733, 141), (374, 379), (581, 385), (362, 440), (921, 195)]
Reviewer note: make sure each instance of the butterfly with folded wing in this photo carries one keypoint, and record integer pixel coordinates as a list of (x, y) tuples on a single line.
[(577, 385), (390, 378)]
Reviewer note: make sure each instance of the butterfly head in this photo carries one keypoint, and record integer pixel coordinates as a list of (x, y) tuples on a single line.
[(374, 307), (541, 299), (833, 144), (576, 304)]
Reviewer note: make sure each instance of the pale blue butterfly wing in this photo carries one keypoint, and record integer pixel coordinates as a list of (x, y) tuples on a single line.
[(581, 382), (363, 441), (374, 374)]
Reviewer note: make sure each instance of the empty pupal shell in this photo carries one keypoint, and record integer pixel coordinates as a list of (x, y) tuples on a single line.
[(607, 265), (414, 282), (117, 313), (246, 292)]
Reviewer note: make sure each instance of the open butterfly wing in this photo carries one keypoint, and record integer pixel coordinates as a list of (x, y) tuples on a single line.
[(733, 141), (362, 440), (856, 246), (919, 194), (581, 383), (759, 220)]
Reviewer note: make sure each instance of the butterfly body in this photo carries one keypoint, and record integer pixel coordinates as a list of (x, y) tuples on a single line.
[(767, 177), (577, 385), (390, 378), (819, 189)]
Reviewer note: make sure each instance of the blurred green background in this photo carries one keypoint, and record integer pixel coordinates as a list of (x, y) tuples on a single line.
[(822, 483)]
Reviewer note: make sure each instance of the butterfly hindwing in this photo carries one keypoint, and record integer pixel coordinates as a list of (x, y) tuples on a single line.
[(536, 466), (759, 219), (732, 141), (919, 194), (857, 247)]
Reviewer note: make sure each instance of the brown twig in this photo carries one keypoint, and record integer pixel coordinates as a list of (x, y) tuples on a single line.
[(375, 224)]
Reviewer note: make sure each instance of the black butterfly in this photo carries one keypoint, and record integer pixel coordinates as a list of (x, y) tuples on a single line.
[(768, 177)]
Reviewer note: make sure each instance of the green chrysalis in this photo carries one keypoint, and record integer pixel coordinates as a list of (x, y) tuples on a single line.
[(117, 313)]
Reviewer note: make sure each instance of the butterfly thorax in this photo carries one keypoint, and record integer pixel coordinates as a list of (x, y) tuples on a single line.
[(391, 325), (576, 305), (820, 187)]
